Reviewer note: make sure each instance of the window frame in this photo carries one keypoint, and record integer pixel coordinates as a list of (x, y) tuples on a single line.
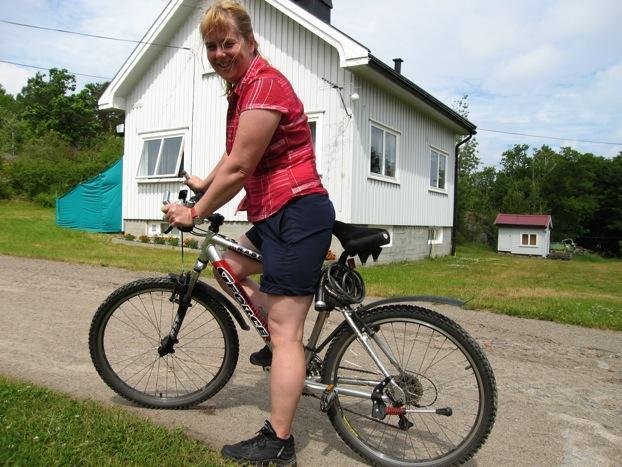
[(529, 235), (317, 118), (162, 135), (397, 134), (445, 156), (437, 236)]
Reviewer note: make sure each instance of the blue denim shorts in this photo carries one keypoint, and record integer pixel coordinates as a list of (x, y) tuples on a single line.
[(293, 244)]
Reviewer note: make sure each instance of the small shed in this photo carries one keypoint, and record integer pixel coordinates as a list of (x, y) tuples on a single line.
[(524, 234)]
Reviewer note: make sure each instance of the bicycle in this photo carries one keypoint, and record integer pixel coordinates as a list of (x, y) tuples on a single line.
[(402, 385)]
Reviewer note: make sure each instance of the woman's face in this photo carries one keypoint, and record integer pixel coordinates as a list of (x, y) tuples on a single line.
[(229, 53)]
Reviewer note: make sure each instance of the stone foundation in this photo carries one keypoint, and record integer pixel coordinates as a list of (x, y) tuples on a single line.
[(408, 243)]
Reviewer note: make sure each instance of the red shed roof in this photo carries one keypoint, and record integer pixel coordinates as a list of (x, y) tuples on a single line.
[(538, 220)]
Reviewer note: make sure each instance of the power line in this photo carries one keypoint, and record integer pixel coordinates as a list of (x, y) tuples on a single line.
[(14, 23), (551, 137), (47, 69), (97, 36)]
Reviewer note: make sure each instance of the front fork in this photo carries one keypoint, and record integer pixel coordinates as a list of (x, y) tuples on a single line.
[(182, 294)]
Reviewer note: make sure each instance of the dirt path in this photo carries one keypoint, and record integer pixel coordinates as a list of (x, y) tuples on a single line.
[(560, 387)]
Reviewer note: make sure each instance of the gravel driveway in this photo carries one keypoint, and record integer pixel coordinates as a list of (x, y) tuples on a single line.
[(560, 387)]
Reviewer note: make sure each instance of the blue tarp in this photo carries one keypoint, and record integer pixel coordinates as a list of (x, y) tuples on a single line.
[(94, 205)]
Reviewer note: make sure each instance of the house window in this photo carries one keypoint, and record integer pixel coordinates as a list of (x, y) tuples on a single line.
[(438, 169), (435, 235), (383, 152), (315, 125), (529, 240), (162, 156)]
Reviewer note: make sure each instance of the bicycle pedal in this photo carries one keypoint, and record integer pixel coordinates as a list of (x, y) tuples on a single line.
[(328, 396)]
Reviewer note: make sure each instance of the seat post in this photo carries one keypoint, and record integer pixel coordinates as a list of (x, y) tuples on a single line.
[(315, 335)]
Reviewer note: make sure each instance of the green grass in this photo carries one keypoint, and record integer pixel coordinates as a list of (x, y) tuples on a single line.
[(583, 291), (40, 427), (31, 231)]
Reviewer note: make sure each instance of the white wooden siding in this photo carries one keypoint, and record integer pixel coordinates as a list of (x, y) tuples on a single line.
[(164, 99), (409, 202), (176, 92), (509, 240)]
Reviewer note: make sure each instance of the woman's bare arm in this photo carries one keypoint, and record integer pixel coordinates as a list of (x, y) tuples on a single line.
[(255, 130)]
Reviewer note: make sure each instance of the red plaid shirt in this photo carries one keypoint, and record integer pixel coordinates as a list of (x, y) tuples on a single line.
[(287, 168)]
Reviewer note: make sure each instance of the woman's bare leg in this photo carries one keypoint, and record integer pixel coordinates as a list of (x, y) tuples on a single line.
[(243, 267), (286, 322)]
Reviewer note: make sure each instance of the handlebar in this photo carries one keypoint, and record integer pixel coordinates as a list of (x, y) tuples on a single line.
[(215, 220)]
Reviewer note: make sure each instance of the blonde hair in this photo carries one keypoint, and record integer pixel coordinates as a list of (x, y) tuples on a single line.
[(221, 15)]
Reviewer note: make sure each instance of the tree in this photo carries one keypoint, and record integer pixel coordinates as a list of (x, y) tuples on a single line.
[(11, 127), (468, 164), (605, 224), (53, 137), (572, 192), (48, 105), (108, 118)]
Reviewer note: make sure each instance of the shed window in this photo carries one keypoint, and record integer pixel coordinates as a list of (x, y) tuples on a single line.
[(529, 240), (162, 156), (383, 152), (438, 169), (435, 236)]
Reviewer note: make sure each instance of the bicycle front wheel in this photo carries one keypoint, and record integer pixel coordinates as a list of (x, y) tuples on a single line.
[(128, 329), (436, 365)]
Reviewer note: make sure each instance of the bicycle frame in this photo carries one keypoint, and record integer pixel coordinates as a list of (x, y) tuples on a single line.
[(210, 254)]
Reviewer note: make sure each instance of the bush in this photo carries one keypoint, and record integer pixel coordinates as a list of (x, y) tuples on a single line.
[(144, 239), (173, 241), (50, 165), (5, 187), (129, 237), (159, 240), (45, 200), (191, 243)]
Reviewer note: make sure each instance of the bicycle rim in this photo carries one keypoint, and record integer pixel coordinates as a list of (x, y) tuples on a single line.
[(133, 324), (442, 368)]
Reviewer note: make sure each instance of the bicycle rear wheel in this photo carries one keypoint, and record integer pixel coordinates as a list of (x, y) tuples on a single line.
[(128, 328), (441, 367)]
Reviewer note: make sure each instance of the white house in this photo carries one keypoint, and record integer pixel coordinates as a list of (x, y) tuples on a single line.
[(524, 234), (385, 147)]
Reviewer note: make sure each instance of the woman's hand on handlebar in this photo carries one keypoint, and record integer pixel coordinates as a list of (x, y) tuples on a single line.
[(195, 183), (178, 216)]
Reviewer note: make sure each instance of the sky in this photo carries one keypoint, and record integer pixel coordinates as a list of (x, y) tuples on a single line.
[(547, 67)]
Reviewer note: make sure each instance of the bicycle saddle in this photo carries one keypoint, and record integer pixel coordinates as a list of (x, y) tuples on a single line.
[(361, 241)]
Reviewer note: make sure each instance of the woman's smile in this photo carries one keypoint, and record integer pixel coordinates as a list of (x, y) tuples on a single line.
[(229, 54)]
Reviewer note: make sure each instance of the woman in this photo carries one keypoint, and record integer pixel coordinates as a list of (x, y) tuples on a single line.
[(269, 153)]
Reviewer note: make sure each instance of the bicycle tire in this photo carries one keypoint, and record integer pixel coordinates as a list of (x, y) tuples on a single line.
[(126, 332), (452, 371)]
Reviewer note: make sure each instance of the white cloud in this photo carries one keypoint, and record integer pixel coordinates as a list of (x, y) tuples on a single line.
[(13, 78), (544, 67), (549, 67), (536, 68), (78, 54)]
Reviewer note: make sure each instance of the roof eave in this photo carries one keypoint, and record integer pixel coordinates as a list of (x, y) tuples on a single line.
[(158, 35), (351, 52), (421, 95)]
